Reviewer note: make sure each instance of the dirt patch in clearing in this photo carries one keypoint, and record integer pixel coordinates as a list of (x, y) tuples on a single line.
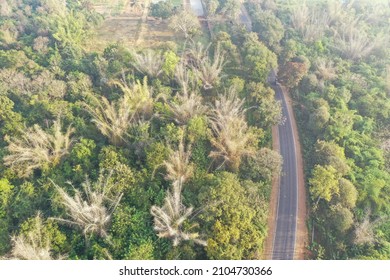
[(117, 29), (158, 31)]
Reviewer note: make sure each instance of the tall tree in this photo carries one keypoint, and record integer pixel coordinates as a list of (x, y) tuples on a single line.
[(269, 28), (232, 137), (323, 183), (185, 22), (233, 231), (92, 211), (207, 69), (35, 243), (149, 62), (169, 220), (113, 119), (38, 149)]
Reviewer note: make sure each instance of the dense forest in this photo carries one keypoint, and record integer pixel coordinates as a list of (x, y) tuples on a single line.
[(131, 153), (165, 152)]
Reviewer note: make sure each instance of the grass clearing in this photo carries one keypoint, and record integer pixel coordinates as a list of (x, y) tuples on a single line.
[(122, 24)]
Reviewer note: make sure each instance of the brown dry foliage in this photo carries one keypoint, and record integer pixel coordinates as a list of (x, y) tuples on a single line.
[(149, 62), (206, 69), (92, 210), (37, 149), (232, 138), (169, 219), (32, 245)]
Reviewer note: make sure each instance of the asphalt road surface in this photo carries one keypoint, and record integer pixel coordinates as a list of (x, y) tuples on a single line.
[(287, 205)]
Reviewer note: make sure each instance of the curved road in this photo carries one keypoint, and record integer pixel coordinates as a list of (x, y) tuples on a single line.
[(284, 243), (283, 247)]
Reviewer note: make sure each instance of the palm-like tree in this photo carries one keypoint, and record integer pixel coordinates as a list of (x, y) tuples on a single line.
[(149, 62), (140, 98), (185, 77), (178, 165), (364, 231), (354, 43), (229, 106), (32, 245), (232, 138), (326, 69), (187, 106), (37, 149), (169, 219), (113, 119), (91, 211), (207, 69)]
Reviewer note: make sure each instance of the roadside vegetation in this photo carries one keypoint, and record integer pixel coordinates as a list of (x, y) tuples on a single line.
[(333, 59)]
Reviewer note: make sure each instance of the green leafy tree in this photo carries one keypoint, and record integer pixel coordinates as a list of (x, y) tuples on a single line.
[(373, 189), (70, 31), (170, 62), (211, 7), (323, 183), (82, 156), (132, 235), (258, 59), (10, 121), (233, 234), (342, 218), (269, 28), (348, 194), (223, 39), (230, 8), (162, 9), (6, 194), (267, 111), (329, 153), (264, 165), (319, 118), (341, 124)]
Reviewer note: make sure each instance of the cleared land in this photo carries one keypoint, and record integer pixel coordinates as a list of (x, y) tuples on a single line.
[(129, 25)]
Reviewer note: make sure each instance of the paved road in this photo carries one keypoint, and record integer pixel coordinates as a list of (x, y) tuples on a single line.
[(287, 207), (284, 243)]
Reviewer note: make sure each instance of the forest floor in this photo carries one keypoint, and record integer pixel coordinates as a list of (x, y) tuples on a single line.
[(302, 238)]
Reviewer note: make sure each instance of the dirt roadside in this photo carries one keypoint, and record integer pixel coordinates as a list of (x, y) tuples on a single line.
[(268, 244)]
